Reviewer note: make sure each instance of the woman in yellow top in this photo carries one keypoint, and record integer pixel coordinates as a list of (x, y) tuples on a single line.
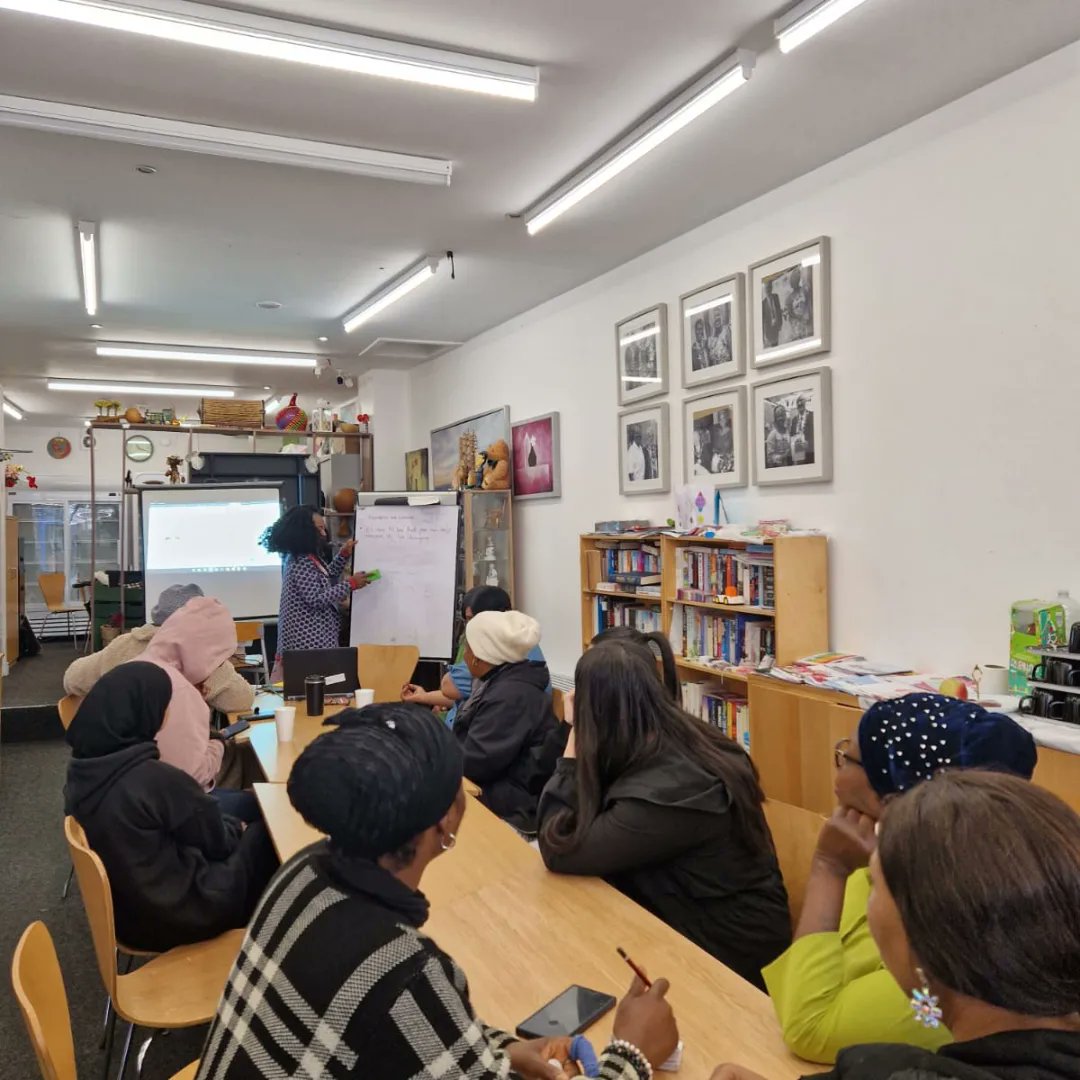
[(831, 989)]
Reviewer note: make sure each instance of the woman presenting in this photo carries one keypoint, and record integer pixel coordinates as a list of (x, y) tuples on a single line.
[(312, 596)]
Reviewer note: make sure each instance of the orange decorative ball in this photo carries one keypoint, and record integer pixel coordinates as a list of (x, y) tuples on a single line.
[(345, 503)]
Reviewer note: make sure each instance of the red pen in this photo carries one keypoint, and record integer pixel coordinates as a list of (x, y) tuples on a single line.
[(634, 968)]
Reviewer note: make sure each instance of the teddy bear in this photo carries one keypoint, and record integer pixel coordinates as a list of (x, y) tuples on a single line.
[(497, 466)]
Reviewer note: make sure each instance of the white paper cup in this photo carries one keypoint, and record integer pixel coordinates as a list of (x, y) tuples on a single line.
[(284, 718), (365, 697), (995, 680)]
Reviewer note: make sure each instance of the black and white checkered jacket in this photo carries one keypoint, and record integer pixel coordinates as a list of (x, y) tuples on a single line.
[(334, 979)]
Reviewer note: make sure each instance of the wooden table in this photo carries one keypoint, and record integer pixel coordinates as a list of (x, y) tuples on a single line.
[(522, 935), (276, 759)]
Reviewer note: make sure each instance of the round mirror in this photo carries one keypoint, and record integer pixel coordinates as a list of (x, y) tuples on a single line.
[(139, 448)]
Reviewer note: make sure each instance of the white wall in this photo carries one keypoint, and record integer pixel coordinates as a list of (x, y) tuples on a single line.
[(384, 395), (954, 376)]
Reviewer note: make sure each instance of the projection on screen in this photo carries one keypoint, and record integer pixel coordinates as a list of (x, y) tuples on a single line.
[(210, 537)]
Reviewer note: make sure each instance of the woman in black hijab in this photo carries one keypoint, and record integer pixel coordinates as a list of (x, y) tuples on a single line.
[(180, 870)]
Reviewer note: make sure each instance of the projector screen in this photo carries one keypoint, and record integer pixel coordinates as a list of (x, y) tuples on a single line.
[(209, 536)]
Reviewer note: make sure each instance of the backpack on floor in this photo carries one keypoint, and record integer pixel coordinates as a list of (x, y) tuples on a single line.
[(28, 642)]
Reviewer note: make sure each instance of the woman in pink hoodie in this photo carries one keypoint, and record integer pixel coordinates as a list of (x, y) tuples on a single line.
[(191, 644)]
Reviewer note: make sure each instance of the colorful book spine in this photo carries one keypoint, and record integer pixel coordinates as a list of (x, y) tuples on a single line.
[(611, 612)]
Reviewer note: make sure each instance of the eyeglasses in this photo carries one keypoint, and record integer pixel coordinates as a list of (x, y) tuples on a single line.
[(841, 757)]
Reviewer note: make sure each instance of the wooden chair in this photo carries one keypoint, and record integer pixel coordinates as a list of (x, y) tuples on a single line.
[(795, 833), (248, 633), (53, 586), (175, 989), (39, 989), (67, 707), (558, 705), (386, 668)]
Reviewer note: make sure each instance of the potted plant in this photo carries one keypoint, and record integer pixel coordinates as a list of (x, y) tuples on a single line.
[(111, 628), (363, 419)]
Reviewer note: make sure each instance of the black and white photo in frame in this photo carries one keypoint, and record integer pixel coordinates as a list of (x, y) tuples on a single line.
[(714, 438), (789, 304), (792, 428), (643, 450), (641, 355), (713, 341)]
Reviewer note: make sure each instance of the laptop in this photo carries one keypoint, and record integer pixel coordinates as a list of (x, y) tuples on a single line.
[(337, 666)]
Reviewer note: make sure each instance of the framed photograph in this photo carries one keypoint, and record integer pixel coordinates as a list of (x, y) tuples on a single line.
[(641, 355), (536, 458), (416, 470), (712, 324), (714, 438), (789, 304), (454, 448), (792, 425), (643, 450)]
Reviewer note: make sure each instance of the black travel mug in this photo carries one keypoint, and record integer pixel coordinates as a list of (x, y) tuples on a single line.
[(315, 690)]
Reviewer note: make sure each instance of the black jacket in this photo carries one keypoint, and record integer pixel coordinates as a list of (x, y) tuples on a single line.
[(1039, 1054), (511, 740), (180, 870), (664, 837)]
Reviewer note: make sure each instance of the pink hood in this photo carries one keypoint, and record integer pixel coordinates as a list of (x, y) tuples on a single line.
[(195, 639)]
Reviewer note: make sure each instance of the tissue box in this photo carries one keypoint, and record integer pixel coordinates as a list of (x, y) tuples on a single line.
[(1034, 624)]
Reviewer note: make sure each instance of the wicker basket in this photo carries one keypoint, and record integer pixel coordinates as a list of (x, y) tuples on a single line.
[(222, 412)]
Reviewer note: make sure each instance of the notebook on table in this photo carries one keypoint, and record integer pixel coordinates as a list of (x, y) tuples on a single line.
[(337, 666)]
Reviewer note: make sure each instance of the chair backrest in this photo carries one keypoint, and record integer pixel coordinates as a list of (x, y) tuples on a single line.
[(247, 632), (558, 706), (68, 706), (53, 587), (97, 900), (39, 989), (795, 833), (386, 668)]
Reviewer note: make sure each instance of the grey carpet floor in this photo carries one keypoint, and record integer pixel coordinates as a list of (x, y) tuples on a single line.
[(39, 680), (35, 864)]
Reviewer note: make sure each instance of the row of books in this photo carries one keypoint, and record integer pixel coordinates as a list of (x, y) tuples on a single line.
[(735, 639), (729, 712), (629, 557), (610, 612), (704, 573)]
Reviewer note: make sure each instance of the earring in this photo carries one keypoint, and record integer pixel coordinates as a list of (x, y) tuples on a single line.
[(453, 840), (924, 1004)]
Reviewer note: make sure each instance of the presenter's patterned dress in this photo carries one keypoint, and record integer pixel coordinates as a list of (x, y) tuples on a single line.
[(311, 597)]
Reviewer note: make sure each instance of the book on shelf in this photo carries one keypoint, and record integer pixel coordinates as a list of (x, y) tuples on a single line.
[(735, 639), (703, 573), (715, 706), (635, 578), (622, 566), (610, 612)]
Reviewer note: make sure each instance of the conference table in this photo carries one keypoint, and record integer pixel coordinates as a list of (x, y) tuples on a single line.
[(523, 935)]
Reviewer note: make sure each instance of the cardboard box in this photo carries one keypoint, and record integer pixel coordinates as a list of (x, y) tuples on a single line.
[(1034, 624)]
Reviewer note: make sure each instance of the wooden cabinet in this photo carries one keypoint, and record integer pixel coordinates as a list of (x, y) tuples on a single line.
[(11, 606)]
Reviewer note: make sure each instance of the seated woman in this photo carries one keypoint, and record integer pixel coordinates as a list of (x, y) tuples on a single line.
[(180, 870), (658, 644), (830, 989), (666, 809), (226, 689), (357, 989), (975, 906), (510, 736)]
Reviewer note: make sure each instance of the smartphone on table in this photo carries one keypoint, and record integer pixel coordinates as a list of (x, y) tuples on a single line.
[(233, 730), (574, 1010)]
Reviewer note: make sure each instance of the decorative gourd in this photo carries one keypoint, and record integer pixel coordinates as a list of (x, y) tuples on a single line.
[(292, 417)]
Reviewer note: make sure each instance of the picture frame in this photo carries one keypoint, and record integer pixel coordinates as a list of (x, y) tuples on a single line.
[(641, 355), (784, 442), (712, 326), (416, 469), (447, 447), (714, 438), (790, 314), (646, 470), (535, 453)]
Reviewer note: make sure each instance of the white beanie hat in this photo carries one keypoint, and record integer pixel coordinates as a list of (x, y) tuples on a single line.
[(502, 637)]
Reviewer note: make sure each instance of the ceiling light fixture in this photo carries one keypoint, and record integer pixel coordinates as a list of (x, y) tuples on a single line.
[(65, 119), (10, 410), (700, 96), (139, 388), (206, 356), (402, 285), (324, 339), (805, 20), (88, 265), (282, 39)]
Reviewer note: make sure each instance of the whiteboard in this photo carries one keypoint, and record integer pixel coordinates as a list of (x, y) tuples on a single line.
[(415, 548)]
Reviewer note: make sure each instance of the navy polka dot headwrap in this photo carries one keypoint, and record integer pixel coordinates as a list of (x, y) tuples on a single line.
[(908, 739)]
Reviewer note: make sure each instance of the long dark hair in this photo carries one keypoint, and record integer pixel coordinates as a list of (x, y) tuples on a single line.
[(623, 718), (656, 642), (294, 533), (984, 869)]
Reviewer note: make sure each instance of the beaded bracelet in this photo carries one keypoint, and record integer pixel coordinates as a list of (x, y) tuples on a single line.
[(637, 1058)]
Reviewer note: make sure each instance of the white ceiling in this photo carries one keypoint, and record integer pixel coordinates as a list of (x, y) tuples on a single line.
[(187, 253)]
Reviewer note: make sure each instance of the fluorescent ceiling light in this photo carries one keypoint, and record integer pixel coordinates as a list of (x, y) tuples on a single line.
[(656, 129), (707, 306), (281, 39), (10, 410), (140, 388), (147, 352), (88, 265), (808, 18), (401, 286), (65, 119)]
